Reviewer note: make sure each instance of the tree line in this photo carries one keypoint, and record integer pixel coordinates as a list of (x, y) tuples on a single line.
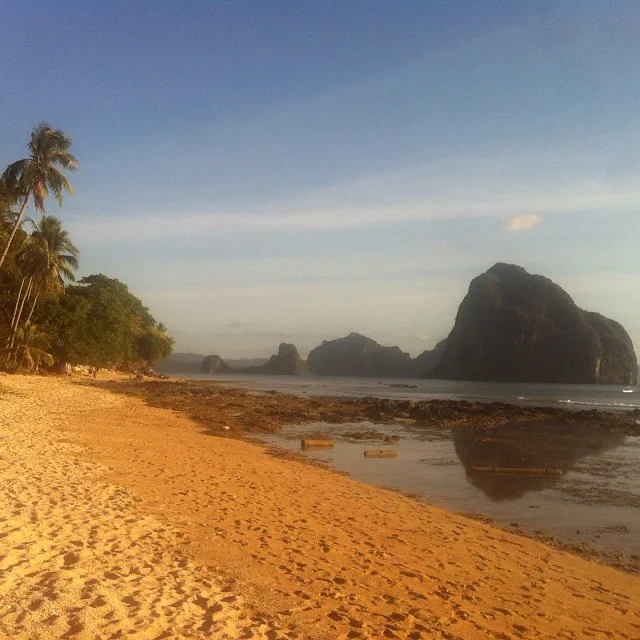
[(47, 319)]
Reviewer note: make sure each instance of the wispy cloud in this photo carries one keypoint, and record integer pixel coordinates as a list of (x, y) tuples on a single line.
[(522, 222), (446, 246)]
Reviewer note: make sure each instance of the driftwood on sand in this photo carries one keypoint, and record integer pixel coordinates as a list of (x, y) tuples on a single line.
[(316, 444), (380, 453)]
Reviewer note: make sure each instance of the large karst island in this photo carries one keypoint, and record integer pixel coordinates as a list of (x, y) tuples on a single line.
[(514, 326), (511, 326)]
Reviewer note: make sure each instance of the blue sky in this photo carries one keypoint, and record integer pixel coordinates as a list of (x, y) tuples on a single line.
[(260, 172)]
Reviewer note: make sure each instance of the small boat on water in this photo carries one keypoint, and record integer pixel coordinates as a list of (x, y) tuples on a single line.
[(628, 390), (403, 386)]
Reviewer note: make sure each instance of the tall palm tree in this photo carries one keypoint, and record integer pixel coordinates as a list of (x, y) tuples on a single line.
[(28, 260), (47, 259), (36, 176), (59, 256)]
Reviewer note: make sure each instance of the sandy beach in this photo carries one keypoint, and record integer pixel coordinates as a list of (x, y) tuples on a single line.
[(119, 519)]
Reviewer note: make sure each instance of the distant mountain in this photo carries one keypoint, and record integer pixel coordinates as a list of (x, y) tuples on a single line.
[(515, 326), (357, 355), (214, 364), (286, 362), (243, 363), (180, 363)]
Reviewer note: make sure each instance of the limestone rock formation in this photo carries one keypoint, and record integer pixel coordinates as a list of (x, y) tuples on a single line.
[(357, 355), (214, 364), (424, 365), (515, 326), (287, 362)]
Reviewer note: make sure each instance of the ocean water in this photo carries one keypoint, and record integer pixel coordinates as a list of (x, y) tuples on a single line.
[(569, 395)]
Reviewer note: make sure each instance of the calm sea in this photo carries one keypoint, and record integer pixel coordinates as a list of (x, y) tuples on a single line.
[(579, 395)]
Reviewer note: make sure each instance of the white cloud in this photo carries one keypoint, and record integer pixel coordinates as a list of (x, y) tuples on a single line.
[(446, 246), (523, 222), (422, 337)]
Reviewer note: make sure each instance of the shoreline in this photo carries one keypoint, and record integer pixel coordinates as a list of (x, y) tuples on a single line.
[(287, 550), (207, 402), (245, 411)]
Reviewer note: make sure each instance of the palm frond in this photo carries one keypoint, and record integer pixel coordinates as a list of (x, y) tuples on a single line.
[(57, 182), (13, 173), (39, 193), (69, 261), (64, 159)]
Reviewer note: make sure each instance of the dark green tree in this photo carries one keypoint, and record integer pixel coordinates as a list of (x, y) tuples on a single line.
[(153, 345), (99, 322)]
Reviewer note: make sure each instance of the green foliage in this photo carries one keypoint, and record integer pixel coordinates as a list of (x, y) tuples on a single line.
[(99, 322), (58, 256), (8, 199), (38, 175), (153, 345), (96, 322)]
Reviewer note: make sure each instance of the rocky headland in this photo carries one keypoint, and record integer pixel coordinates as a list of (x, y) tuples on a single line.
[(513, 326)]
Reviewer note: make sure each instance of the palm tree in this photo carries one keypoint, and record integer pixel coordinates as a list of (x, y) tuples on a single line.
[(46, 260), (28, 260), (35, 176), (25, 354), (59, 256)]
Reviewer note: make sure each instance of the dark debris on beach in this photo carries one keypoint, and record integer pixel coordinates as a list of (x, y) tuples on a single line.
[(233, 412)]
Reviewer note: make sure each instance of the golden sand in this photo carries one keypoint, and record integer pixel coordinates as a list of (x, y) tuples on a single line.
[(122, 520)]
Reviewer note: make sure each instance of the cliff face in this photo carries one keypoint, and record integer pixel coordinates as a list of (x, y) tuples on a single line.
[(427, 361), (514, 326), (286, 362), (214, 364)]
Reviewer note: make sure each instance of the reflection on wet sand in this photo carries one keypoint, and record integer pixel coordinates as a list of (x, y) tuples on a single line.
[(543, 445)]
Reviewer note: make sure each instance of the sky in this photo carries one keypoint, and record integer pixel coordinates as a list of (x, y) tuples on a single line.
[(264, 172)]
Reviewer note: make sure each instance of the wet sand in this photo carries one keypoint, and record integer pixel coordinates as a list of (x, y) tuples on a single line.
[(119, 518), (591, 506)]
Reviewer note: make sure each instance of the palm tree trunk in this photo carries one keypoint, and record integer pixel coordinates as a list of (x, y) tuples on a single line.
[(33, 306), (20, 302), (15, 227), (27, 293), (15, 309)]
